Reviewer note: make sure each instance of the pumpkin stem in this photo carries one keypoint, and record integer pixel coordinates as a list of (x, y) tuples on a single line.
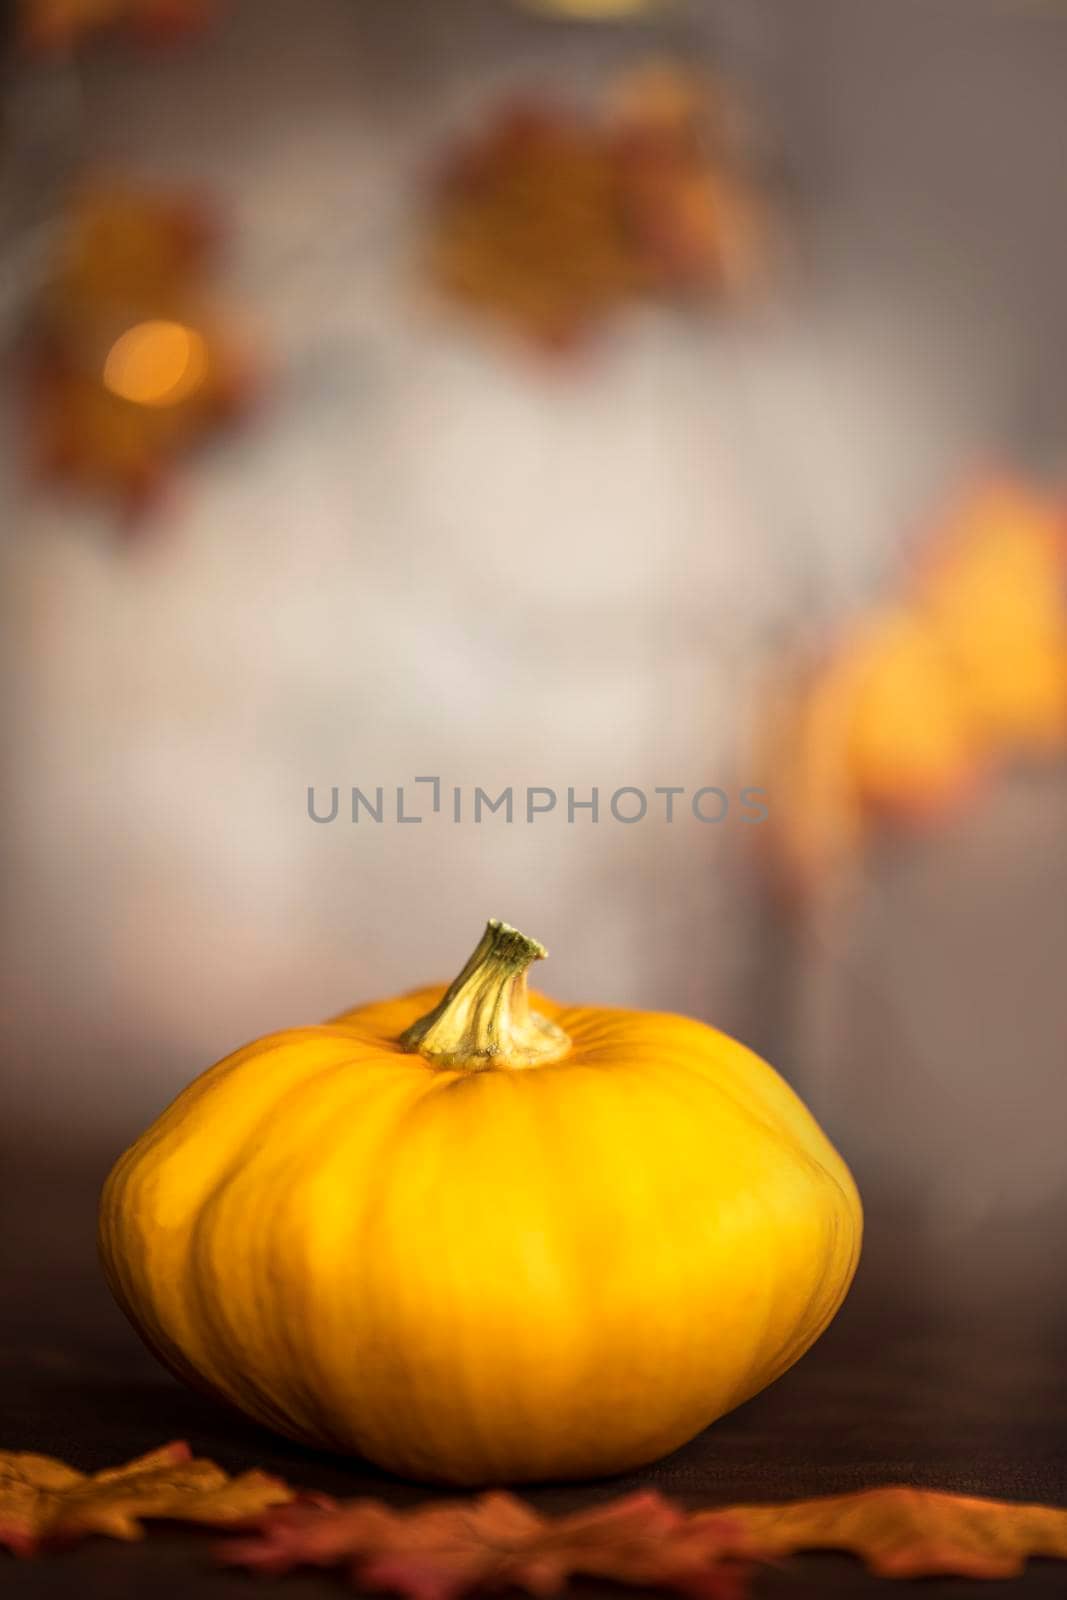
[(484, 1018)]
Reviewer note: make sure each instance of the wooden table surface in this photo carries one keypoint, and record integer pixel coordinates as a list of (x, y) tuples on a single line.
[(915, 1382)]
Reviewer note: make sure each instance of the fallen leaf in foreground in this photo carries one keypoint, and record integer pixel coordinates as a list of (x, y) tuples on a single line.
[(440, 1551), (43, 1501), (908, 1533), (452, 1548)]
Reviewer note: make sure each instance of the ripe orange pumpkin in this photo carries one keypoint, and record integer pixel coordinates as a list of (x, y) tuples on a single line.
[(479, 1239)]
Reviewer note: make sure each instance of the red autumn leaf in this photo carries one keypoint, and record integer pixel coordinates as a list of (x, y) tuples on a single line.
[(909, 1533), (43, 1501), (441, 1551)]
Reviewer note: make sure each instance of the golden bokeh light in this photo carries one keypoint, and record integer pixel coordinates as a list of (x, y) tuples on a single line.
[(156, 364)]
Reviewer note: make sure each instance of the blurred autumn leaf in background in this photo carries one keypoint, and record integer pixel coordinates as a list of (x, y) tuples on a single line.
[(922, 697), (994, 594), (61, 25), (129, 361), (552, 219)]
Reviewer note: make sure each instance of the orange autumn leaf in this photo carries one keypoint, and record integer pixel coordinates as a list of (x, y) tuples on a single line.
[(993, 593), (53, 26), (493, 1542), (43, 1501), (910, 1533), (442, 1551), (552, 220), (798, 752), (911, 747), (128, 361), (924, 696), (695, 221), (528, 226)]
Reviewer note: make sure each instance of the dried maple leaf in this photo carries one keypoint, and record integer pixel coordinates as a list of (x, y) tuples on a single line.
[(910, 1533), (440, 1551), (43, 1501)]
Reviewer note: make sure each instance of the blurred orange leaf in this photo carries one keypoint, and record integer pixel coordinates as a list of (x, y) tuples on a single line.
[(42, 1501), (910, 1533), (926, 694), (911, 746), (129, 363), (552, 220), (993, 593), (60, 25)]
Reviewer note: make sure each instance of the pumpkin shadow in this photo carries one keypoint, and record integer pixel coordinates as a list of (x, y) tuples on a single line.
[(131, 1417)]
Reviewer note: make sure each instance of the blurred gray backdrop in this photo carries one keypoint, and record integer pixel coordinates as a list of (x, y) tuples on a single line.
[(429, 556)]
